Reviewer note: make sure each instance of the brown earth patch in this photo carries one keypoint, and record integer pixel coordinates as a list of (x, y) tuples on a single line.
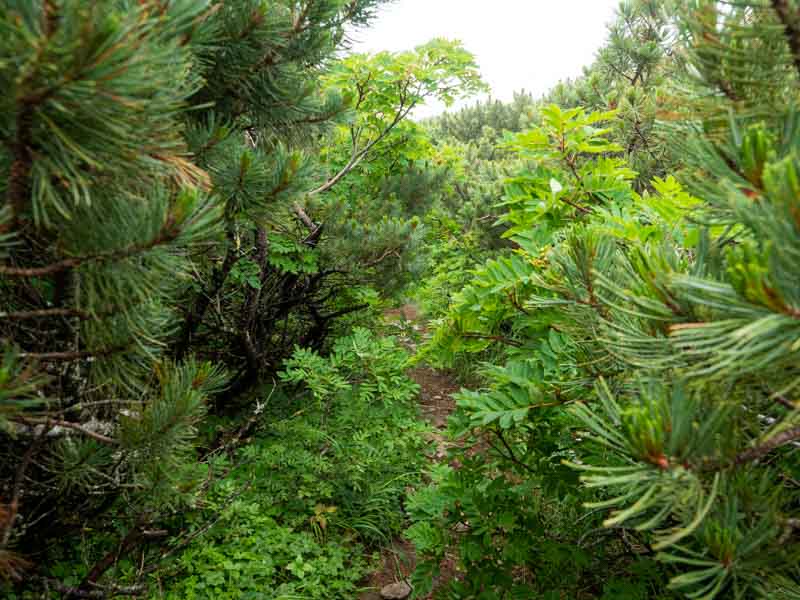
[(409, 312), (437, 387), (435, 394)]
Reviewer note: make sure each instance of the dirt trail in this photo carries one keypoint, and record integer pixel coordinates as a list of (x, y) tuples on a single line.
[(436, 404)]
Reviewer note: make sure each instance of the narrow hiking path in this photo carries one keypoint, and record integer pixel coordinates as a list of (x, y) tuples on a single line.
[(436, 405)]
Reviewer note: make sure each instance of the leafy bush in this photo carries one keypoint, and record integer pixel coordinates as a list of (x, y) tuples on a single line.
[(322, 485), (651, 346)]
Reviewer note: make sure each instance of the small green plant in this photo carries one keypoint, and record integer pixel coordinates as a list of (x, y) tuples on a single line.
[(360, 364)]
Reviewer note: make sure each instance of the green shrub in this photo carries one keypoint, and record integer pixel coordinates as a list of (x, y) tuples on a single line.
[(322, 485)]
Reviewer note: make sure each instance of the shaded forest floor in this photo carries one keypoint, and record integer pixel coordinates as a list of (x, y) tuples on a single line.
[(436, 405)]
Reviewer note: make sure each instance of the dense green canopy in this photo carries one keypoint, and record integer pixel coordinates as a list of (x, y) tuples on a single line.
[(208, 207)]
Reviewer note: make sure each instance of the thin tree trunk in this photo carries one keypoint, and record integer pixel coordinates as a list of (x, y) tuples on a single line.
[(198, 313)]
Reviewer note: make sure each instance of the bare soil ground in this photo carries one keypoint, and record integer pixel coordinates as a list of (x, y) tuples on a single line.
[(436, 405)]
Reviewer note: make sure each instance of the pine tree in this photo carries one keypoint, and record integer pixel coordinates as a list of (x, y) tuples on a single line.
[(141, 139), (304, 249), (260, 109), (489, 118), (629, 75), (718, 326), (100, 206)]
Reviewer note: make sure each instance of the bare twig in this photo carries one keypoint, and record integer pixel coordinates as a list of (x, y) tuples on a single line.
[(49, 423), (775, 442), (72, 355), (98, 591), (303, 216), (45, 312), (18, 478)]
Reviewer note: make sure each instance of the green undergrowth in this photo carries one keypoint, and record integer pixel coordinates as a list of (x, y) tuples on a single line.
[(517, 536), (303, 509)]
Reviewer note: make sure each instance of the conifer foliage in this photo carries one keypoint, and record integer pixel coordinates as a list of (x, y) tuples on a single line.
[(100, 208), (651, 338), (155, 246)]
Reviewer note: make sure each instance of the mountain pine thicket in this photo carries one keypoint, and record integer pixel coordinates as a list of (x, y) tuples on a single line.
[(209, 206)]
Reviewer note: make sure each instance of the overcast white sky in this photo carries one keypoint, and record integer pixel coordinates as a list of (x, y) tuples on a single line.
[(519, 44)]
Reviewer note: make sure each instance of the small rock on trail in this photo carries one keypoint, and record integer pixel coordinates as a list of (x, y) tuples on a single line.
[(396, 591)]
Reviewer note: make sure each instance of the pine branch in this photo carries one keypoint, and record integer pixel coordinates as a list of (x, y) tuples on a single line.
[(300, 20), (791, 24), (218, 279), (344, 311), (167, 234), (18, 190), (98, 592), (619, 72), (43, 313), (781, 439), (254, 294), (303, 216), (48, 423), (17, 489), (84, 405), (72, 355), (312, 239), (132, 539), (382, 257)]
